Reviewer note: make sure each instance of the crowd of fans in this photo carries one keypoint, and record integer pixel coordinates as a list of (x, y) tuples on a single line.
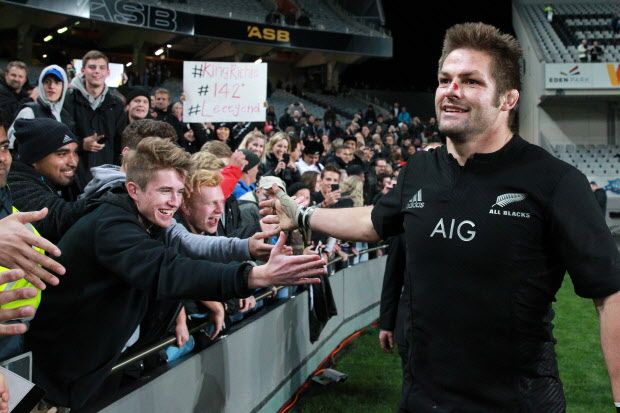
[(72, 149)]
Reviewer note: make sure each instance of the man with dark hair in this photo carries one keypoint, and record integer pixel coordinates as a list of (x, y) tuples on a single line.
[(116, 264), (13, 91), (45, 174), (329, 194), (489, 239), (310, 157), (99, 115)]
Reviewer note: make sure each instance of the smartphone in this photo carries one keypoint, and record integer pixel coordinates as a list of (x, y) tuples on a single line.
[(335, 187)]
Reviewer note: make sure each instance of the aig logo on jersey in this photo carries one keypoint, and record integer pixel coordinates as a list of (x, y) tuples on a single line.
[(506, 199), (416, 201)]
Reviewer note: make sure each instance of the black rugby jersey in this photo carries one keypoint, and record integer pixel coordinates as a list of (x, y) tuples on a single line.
[(488, 245)]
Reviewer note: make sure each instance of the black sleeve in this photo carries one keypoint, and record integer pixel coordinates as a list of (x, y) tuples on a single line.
[(393, 280), (583, 240), (125, 249), (386, 215), (31, 196), (200, 134)]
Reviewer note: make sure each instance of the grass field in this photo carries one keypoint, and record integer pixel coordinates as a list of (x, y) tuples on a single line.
[(375, 377)]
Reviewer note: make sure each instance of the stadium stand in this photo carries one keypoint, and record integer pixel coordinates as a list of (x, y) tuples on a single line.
[(346, 105), (571, 24), (247, 10), (281, 99), (568, 106), (592, 160), (323, 15)]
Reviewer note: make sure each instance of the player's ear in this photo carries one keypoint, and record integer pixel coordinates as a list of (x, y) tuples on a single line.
[(510, 100)]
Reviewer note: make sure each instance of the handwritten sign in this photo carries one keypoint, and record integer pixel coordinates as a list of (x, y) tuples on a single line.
[(224, 92)]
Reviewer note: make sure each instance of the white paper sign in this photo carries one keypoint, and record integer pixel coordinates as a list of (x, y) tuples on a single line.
[(224, 92)]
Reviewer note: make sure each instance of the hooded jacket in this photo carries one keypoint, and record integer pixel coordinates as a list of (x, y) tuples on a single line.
[(104, 115), (42, 107), (116, 265)]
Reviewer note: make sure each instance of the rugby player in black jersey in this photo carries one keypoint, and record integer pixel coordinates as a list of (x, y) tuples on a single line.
[(492, 224)]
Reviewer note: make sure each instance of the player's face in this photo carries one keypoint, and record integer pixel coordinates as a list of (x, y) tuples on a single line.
[(466, 101)]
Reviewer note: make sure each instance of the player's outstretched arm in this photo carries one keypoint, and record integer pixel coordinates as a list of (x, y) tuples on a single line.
[(608, 309), (352, 224)]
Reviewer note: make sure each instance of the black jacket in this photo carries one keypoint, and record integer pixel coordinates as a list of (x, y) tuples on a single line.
[(41, 110), (287, 175), (10, 102), (31, 192), (115, 266), (232, 226), (108, 119), (200, 134)]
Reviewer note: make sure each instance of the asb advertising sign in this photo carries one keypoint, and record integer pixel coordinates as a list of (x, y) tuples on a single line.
[(224, 92), (582, 75)]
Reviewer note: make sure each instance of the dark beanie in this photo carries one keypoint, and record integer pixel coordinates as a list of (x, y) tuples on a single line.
[(292, 190), (252, 159), (136, 91), (39, 137), (313, 147)]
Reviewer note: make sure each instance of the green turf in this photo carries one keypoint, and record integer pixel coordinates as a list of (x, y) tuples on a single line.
[(375, 377), (582, 368), (373, 384)]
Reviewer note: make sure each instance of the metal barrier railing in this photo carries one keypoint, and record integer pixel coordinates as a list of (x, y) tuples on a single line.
[(170, 340)]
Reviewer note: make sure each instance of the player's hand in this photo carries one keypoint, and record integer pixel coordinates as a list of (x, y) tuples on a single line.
[(386, 340)]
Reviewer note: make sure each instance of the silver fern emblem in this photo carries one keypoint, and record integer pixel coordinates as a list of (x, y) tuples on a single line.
[(506, 199)]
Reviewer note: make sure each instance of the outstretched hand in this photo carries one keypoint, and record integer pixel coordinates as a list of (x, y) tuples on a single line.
[(16, 242), (283, 269), (259, 250), (281, 209)]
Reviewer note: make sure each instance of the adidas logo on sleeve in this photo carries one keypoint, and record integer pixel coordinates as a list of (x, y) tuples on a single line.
[(416, 201)]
